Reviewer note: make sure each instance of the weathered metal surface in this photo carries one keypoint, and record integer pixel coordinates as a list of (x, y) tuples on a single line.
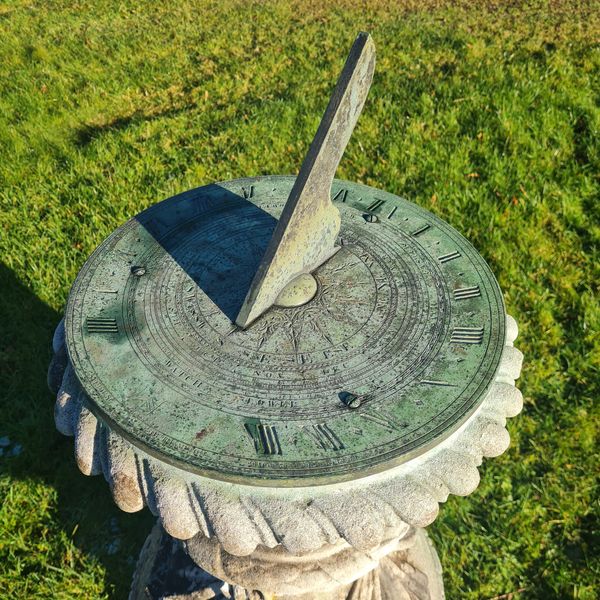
[(309, 224), (298, 292), (407, 318)]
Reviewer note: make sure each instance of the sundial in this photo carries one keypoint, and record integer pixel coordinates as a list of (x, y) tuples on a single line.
[(291, 372), (287, 331)]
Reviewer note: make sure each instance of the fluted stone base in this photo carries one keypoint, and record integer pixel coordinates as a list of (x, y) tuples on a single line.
[(408, 569)]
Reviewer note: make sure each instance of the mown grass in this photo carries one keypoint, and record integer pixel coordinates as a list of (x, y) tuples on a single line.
[(486, 114)]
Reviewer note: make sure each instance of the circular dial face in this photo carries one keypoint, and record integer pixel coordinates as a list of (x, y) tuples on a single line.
[(395, 351)]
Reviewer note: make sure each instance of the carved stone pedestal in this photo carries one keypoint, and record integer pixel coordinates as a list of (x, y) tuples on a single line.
[(361, 539), (404, 569)]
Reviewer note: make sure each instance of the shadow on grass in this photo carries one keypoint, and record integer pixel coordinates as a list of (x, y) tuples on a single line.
[(84, 509), (91, 131)]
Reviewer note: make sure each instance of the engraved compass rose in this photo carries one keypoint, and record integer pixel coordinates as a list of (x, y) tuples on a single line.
[(308, 318), (313, 330)]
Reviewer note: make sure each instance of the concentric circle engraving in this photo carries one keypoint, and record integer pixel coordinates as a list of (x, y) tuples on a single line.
[(407, 316)]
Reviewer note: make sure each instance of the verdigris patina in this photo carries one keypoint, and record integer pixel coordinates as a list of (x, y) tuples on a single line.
[(291, 373)]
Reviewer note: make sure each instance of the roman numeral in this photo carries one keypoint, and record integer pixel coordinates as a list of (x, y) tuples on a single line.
[(124, 254), (248, 192), (392, 212), (101, 325), (383, 418), (467, 335), (448, 257), (264, 437), (341, 195), (420, 230), (375, 205), (468, 292), (435, 382), (324, 436)]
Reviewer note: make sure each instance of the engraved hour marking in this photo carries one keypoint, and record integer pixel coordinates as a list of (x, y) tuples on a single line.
[(421, 230), (101, 325), (468, 292), (106, 291), (392, 212), (150, 404), (248, 192), (341, 195), (448, 257), (324, 436), (435, 382), (467, 335), (384, 419), (375, 205), (264, 437), (125, 254)]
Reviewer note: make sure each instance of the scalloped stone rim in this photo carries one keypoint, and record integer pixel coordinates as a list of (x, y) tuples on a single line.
[(363, 512)]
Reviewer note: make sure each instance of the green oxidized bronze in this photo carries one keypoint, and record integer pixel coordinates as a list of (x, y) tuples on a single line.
[(363, 350), (407, 315)]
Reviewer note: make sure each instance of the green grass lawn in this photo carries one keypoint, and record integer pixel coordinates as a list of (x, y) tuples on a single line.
[(486, 115)]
